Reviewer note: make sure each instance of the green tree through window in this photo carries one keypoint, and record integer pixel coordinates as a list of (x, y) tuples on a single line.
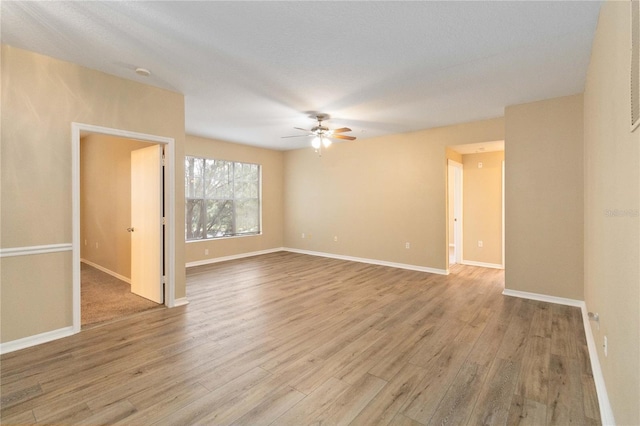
[(222, 198)]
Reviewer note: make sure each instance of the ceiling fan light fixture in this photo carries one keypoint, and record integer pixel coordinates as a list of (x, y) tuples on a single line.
[(326, 142), (315, 143)]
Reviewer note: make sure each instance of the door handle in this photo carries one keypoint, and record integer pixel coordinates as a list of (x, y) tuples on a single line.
[(130, 229)]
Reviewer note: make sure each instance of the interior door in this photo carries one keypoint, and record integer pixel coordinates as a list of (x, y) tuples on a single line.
[(146, 223)]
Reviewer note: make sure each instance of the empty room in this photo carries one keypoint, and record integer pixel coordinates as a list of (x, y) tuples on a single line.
[(320, 212)]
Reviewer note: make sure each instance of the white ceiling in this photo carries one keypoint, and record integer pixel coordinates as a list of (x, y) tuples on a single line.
[(251, 71)]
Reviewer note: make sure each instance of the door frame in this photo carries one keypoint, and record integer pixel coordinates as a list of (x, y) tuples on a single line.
[(503, 226), (169, 208), (457, 207)]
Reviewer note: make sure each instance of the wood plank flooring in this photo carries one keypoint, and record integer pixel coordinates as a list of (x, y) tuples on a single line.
[(290, 339)]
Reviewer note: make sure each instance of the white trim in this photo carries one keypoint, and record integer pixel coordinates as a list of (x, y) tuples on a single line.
[(633, 31), (232, 257), (543, 297), (30, 250), (170, 207), (181, 301), (503, 216), (606, 412), (144, 137), (321, 254), (371, 261), (482, 264), (170, 221), (37, 339), (226, 237), (458, 206), (75, 226), (107, 271)]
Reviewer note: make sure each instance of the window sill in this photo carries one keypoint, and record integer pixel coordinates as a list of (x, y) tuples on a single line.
[(205, 240)]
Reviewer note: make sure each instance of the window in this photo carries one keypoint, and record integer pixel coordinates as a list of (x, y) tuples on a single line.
[(222, 198)]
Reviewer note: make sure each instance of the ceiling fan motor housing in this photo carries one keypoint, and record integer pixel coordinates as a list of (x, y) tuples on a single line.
[(319, 129)]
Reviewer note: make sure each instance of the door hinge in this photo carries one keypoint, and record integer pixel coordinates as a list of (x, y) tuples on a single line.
[(164, 221), (164, 160), (164, 279)]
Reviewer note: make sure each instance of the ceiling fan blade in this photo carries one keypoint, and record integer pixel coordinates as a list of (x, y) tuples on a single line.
[(296, 136), (349, 138), (342, 130), (304, 130)]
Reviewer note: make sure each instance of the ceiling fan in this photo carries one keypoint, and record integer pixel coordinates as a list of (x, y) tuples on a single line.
[(322, 135)]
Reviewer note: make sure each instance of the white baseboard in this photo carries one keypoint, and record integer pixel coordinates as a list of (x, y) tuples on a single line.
[(49, 336), (543, 297), (107, 271), (27, 342), (321, 254), (370, 261), (232, 257), (482, 264), (180, 302), (606, 413)]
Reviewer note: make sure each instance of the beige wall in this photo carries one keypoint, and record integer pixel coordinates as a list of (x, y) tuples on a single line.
[(105, 201), (453, 155), (272, 199), (612, 240), (47, 273), (377, 194), (482, 207), (544, 197), (41, 97)]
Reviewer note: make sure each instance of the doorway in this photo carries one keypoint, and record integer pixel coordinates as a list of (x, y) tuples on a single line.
[(479, 199), (166, 193), (114, 189)]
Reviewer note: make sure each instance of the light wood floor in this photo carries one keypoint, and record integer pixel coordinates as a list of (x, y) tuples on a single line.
[(289, 339)]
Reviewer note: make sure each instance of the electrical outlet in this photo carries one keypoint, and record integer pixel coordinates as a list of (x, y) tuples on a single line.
[(335, 238), (605, 346), (206, 251), (407, 245), (480, 165), (302, 235), (480, 243), (85, 242)]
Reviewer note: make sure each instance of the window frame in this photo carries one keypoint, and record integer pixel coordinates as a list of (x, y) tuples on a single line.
[(234, 200)]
